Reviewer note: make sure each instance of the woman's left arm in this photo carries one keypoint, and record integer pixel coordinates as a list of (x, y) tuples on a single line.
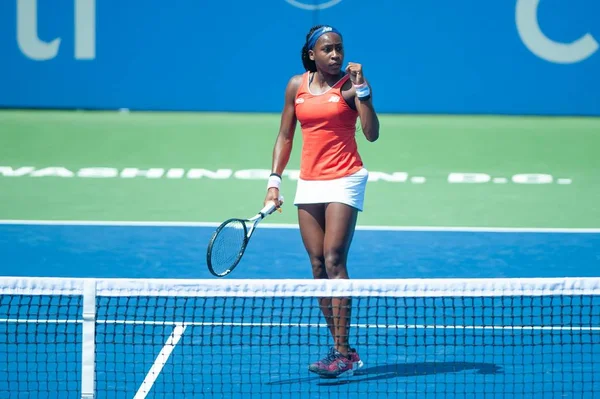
[(364, 102)]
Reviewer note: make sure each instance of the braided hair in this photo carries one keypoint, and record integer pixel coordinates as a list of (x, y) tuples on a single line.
[(309, 64)]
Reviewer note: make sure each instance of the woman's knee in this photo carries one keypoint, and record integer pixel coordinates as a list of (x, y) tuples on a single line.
[(335, 263), (318, 266)]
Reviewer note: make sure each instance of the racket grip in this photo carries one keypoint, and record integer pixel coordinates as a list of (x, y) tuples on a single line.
[(270, 207)]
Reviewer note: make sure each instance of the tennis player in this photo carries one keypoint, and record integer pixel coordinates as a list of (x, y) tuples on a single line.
[(327, 100)]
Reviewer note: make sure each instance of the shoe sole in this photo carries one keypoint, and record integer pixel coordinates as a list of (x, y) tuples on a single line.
[(347, 373)]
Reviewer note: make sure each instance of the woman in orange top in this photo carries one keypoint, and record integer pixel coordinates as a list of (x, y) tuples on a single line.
[(327, 101)]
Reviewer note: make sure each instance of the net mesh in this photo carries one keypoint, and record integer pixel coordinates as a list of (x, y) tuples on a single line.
[(40, 345), (497, 338)]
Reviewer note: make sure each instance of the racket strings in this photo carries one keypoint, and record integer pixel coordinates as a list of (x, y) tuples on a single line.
[(227, 245)]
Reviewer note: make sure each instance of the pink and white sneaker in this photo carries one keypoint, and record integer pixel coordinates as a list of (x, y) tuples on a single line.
[(357, 363), (336, 365)]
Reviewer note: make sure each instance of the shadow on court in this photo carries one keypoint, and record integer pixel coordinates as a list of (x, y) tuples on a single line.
[(389, 371)]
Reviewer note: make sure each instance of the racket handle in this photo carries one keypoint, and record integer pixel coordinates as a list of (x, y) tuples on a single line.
[(269, 208)]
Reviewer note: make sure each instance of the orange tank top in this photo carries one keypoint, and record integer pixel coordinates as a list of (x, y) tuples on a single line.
[(328, 124)]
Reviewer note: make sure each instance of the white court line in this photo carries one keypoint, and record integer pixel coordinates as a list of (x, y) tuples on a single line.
[(160, 361), (315, 325), (42, 321), (367, 326), (295, 226)]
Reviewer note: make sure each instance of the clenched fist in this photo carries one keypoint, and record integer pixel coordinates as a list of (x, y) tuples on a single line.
[(355, 72)]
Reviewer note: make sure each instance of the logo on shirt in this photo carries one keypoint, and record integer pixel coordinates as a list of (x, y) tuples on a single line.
[(334, 99), (299, 100)]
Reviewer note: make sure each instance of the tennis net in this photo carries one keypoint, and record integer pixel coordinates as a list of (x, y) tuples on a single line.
[(226, 338)]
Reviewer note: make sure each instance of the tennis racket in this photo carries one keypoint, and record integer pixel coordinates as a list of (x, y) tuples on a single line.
[(229, 241)]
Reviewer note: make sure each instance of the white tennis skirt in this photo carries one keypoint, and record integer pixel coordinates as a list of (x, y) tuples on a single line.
[(349, 190)]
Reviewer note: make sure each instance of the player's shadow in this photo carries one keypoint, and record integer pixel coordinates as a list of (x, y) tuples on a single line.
[(389, 371)]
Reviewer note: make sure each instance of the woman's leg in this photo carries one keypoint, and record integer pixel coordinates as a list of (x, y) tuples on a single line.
[(311, 218), (340, 222)]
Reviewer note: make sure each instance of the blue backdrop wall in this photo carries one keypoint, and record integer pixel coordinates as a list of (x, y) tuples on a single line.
[(426, 56)]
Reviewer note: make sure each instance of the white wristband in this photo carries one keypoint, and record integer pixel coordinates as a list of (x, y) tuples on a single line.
[(363, 90), (274, 182)]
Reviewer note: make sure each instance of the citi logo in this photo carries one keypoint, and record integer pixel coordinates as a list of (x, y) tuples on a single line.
[(528, 27), (311, 6), (84, 28)]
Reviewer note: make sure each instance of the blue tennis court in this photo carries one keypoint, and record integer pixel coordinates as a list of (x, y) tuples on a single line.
[(180, 252), (413, 346)]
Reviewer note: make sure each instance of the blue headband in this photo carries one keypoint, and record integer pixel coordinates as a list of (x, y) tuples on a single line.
[(312, 40)]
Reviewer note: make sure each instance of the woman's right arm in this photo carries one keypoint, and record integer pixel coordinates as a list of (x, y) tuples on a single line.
[(283, 145)]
